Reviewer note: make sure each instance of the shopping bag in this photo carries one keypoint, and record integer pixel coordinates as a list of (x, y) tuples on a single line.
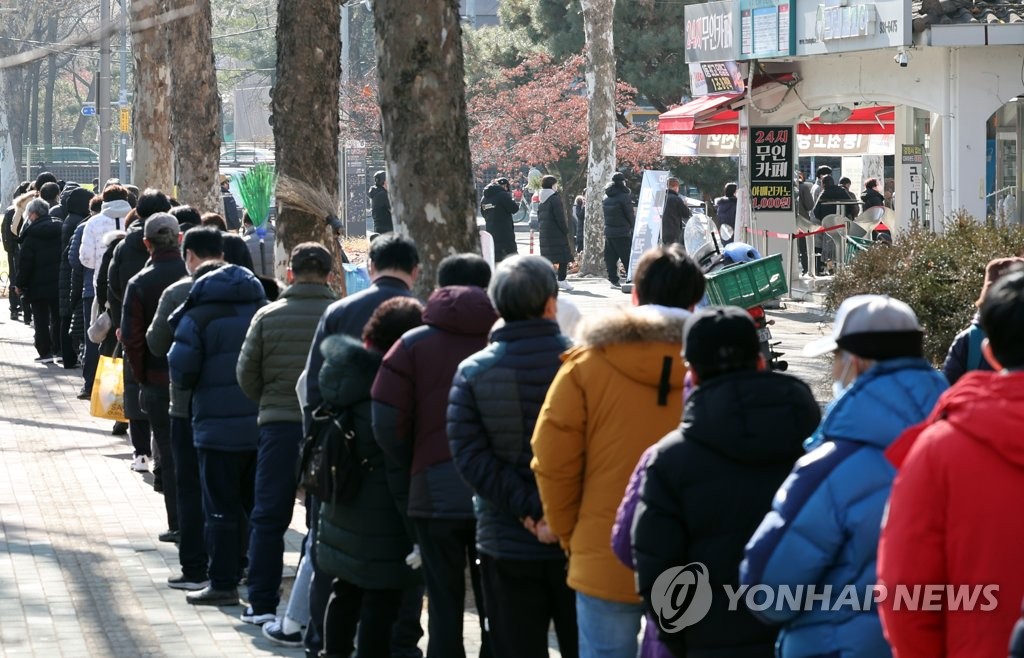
[(108, 389)]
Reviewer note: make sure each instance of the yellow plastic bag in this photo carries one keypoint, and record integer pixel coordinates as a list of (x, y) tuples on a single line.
[(108, 390)]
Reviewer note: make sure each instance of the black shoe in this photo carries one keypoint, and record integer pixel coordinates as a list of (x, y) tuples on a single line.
[(210, 596), (170, 536), (119, 429), (45, 358), (186, 583), (84, 394), (158, 485), (15, 314)]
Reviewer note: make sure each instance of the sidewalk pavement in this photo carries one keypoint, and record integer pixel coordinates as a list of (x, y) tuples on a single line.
[(81, 570)]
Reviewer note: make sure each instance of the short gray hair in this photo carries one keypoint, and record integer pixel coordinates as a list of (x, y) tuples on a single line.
[(521, 287), (37, 207)]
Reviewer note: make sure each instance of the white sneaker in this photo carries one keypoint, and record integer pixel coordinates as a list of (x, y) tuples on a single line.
[(564, 285), (140, 464)]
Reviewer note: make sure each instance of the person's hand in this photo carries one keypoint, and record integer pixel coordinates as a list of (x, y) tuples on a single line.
[(544, 534), (117, 332), (414, 559), (530, 525)]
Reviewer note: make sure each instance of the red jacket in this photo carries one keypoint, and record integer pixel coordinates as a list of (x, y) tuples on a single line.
[(954, 518)]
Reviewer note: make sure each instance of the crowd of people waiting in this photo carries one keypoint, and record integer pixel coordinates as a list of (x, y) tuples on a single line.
[(568, 469)]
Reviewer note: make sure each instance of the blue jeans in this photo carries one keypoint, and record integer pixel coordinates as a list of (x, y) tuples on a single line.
[(191, 522), (92, 350), (227, 481), (276, 455), (608, 629)]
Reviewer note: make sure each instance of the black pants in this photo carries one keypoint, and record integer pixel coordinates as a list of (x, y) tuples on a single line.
[(68, 349), (801, 250), (141, 438), (155, 401), (13, 298), (191, 522), (523, 598), (563, 270), (616, 249), (446, 547), (47, 325), (373, 611), (227, 481)]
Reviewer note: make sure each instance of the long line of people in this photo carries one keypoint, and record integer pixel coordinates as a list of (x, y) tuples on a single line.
[(566, 474)]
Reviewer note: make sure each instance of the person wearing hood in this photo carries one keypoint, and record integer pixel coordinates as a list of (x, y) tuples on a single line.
[(617, 392), (725, 210), (497, 207), (380, 204), (260, 244), (619, 219), (76, 203), (951, 513), (209, 329), (823, 527), (37, 278), (555, 237), (410, 402), (111, 218), (495, 398), (736, 454)]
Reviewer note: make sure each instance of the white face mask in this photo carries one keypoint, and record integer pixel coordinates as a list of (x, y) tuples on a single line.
[(840, 385)]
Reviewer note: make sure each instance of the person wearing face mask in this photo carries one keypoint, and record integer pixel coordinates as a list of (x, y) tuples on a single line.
[(824, 524)]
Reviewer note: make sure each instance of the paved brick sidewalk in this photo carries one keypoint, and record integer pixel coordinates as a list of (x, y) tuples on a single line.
[(81, 570)]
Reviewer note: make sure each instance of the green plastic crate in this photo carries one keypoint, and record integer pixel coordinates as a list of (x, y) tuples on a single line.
[(748, 284)]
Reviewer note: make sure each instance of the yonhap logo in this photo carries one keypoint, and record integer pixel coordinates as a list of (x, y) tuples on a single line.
[(681, 596)]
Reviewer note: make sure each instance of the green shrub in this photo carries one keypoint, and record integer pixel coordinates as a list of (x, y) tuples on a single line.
[(938, 275)]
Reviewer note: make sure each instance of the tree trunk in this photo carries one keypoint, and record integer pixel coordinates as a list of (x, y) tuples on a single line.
[(153, 157), (51, 82), (304, 109), (426, 139), (195, 107), (13, 103), (8, 161), (600, 74)]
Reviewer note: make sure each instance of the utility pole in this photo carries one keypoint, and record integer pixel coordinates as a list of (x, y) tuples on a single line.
[(346, 56), (103, 92), (122, 98)]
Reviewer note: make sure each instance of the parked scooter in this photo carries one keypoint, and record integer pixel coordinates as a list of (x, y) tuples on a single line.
[(703, 243)]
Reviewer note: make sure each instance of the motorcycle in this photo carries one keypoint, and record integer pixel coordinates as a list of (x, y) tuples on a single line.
[(704, 244)]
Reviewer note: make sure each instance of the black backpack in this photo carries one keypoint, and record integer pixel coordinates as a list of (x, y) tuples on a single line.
[(329, 467)]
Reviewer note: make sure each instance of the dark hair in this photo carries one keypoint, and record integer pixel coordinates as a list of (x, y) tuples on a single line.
[(463, 270), (151, 202), (730, 189), (25, 186), (548, 182), (522, 286), (845, 181), (271, 288), (380, 177), (42, 179), (114, 193), (668, 277), (185, 215), (392, 319), (823, 170), (96, 204), (827, 181), (213, 219), (131, 218), (392, 251), (49, 192), (672, 181), (208, 267), (1002, 319), (205, 242), (871, 183), (246, 219)]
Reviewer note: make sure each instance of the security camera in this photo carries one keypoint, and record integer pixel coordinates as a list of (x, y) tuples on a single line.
[(902, 58)]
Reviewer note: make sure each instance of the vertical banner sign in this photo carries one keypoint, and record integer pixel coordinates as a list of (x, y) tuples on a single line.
[(709, 32), (771, 168), (912, 159), (647, 229)]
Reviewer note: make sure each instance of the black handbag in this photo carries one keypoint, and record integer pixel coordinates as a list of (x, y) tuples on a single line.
[(329, 467)]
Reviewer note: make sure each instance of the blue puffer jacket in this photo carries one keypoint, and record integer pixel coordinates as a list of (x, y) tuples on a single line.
[(495, 399), (209, 329), (824, 524)]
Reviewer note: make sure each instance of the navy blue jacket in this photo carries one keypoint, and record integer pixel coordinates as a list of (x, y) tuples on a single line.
[(209, 329), (495, 399), (964, 349), (825, 520), (346, 316)]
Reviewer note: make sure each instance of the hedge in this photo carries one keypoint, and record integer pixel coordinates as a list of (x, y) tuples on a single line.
[(938, 274)]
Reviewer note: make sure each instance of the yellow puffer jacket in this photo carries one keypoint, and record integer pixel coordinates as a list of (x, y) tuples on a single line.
[(617, 393)]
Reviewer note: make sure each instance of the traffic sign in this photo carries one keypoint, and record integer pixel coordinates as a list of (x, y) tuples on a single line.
[(125, 119), (88, 110)]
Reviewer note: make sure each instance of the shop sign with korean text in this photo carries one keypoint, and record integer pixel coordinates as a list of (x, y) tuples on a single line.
[(710, 78), (709, 32), (836, 26), (771, 168), (912, 159), (766, 28)]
